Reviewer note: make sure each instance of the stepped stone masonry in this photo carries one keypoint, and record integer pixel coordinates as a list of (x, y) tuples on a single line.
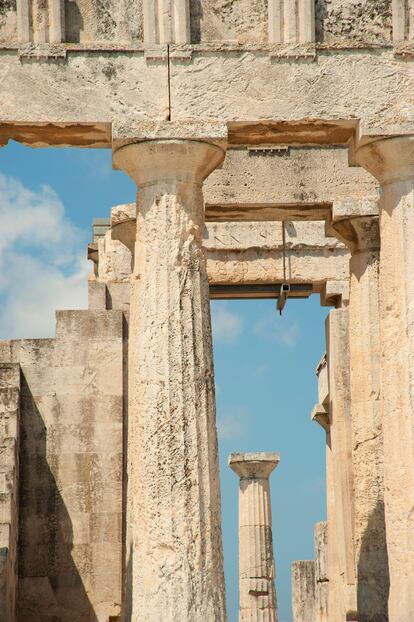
[(256, 558), (269, 141)]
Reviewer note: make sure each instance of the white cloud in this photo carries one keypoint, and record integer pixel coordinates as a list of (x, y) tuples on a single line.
[(42, 261), (232, 425), (261, 370), (278, 329), (227, 326)]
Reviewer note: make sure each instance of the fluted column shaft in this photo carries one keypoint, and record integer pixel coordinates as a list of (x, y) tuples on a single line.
[(342, 594), (256, 560), (175, 568), (361, 234), (391, 161)]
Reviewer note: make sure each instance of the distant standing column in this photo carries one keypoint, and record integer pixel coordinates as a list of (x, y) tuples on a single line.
[(256, 561)]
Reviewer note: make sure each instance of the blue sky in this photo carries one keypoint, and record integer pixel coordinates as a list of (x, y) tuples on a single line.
[(264, 363)]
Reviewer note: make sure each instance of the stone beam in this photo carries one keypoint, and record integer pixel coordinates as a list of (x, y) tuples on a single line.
[(266, 212), (241, 253), (271, 182), (256, 558)]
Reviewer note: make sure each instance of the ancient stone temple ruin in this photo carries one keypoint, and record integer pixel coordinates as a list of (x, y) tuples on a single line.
[(232, 117)]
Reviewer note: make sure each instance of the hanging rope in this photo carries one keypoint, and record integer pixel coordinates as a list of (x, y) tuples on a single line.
[(284, 250), (285, 287)]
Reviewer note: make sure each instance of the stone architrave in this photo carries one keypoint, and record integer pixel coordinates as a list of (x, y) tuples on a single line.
[(391, 161), (358, 227), (256, 560), (174, 566)]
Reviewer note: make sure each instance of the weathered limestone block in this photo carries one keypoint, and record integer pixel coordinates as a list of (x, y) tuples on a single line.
[(303, 591), (321, 572), (297, 175), (8, 22), (251, 252), (112, 21), (221, 21), (114, 263), (353, 21), (256, 559), (361, 233), (234, 85), (392, 163), (9, 488), (174, 564), (70, 491)]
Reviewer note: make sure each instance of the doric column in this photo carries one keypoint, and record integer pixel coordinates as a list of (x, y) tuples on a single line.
[(391, 161), (174, 569), (342, 595), (256, 561), (356, 224)]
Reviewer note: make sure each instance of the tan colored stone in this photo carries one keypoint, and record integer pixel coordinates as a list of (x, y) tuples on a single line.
[(303, 591), (256, 559), (361, 233), (173, 512), (392, 163), (341, 559), (321, 572), (9, 488)]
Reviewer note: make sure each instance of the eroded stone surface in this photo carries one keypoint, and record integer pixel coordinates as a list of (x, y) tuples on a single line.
[(173, 511), (70, 493)]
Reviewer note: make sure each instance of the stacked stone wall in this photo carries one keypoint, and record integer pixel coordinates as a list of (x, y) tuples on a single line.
[(9, 472), (70, 493)]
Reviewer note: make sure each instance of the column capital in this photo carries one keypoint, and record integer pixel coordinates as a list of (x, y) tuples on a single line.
[(257, 465), (359, 234), (150, 151), (355, 223), (320, 415), (388, 159)]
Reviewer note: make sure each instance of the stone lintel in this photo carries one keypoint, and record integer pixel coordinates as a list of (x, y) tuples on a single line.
[(131, 132), (56, 134), (300, 132), (335, 294), (255, 465), (258, 212)]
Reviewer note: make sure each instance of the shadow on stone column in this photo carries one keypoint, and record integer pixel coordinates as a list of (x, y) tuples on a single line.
[(50, 587), (373, 573)]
